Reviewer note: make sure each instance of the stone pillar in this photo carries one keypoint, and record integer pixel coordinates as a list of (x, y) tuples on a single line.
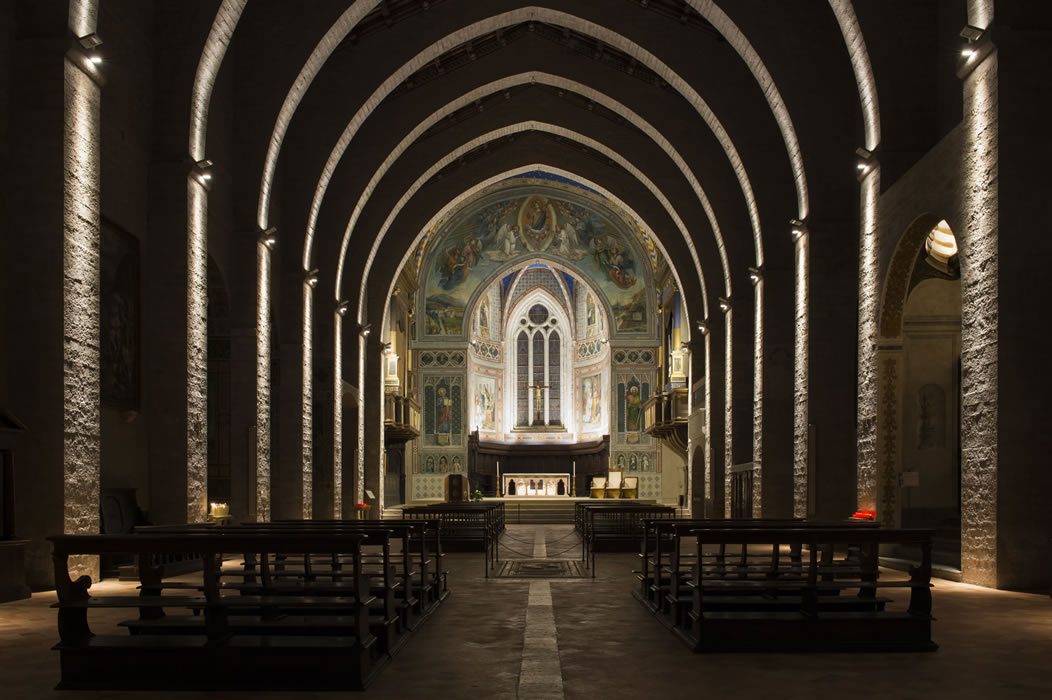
[(80, 259), (776, 434), (1005, 336), (372, 390), (890, 381), (801, 369)]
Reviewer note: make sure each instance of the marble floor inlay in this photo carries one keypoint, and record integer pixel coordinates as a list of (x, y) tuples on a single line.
[(540, 676)]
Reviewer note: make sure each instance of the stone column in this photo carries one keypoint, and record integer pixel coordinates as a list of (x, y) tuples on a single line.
[(80, 260)]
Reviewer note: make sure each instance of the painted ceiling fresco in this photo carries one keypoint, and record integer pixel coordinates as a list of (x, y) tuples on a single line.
[(521, 226)]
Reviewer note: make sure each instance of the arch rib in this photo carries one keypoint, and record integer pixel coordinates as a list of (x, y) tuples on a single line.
[(510, 81)]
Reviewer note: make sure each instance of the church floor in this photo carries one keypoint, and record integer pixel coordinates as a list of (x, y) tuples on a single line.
[(585, 638)]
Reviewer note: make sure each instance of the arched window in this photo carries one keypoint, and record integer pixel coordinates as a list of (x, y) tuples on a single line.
[(538, 368), (522, 379)]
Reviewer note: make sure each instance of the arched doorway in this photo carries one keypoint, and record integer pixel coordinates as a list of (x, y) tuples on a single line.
[(919, 378)]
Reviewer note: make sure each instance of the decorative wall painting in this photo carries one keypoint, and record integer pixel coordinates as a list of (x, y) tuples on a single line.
[(632, 393), (477, 244), (119, 317), (592, 402), (443, 417), (484, 404)]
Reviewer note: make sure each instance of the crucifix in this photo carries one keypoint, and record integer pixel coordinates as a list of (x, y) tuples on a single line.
[(538, 420)]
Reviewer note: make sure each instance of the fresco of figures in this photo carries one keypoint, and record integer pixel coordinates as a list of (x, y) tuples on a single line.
[(441, 464), (634, 462), (460, 258), (484, 404), (631, 393), (443, 406), (591, 403)]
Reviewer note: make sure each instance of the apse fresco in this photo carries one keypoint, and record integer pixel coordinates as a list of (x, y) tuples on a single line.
[(518, 229)]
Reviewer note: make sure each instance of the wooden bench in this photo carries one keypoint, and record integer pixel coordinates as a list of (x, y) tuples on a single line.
[(773, 602), (312, 638), (466, 527), (667, 561), (398, 607), (615, 527)]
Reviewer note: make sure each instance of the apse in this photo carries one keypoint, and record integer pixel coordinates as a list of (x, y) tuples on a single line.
[(538, 320)]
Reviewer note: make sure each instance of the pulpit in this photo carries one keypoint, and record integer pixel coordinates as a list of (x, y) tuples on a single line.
[(12, 551)]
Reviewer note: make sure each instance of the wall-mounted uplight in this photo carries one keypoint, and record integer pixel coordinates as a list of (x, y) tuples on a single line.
[(967, 53), (703, 327), (341, 308), (312, 278), (366, 330), (798, 229), (755, 275), (725, 305), (269, 238), (865, 161), (202, 172), (82, 53)]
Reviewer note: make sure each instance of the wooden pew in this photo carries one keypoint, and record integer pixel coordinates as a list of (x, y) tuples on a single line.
[(406, 595), (667, 563), (333, 651), (470, 527), (615, 526), (806, 606)]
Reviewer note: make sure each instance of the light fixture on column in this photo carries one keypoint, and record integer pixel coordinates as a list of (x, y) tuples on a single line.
[(341, 308), (703, 327), (366, 330), (798, 230), (311, 278), (90, 41), (269, 238), (84, 51), (865, 161), (202, 172), (755, 274), (725, 304), (971, 49)]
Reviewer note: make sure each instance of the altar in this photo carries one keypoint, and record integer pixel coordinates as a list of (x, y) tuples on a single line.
[(494, 466), (535, 485)]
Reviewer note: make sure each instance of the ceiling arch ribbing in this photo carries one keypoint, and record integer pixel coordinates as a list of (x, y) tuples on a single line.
[(492, 24), (519, 79), (531, 125)]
